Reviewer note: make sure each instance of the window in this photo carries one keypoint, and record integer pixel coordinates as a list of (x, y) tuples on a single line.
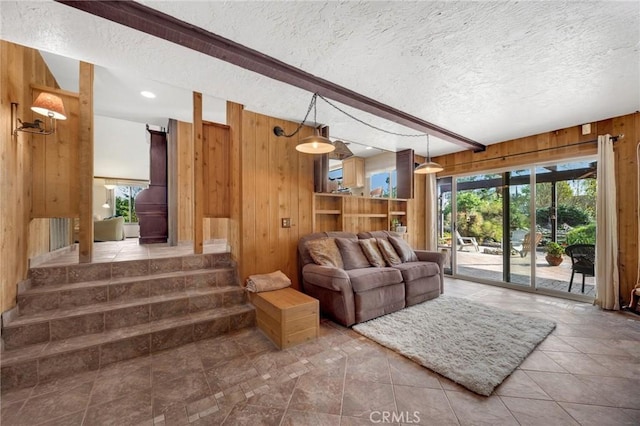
[(387, 180), (125, 205)]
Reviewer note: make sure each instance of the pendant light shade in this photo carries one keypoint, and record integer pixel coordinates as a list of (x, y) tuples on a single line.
[(316, 144), (428, 166)]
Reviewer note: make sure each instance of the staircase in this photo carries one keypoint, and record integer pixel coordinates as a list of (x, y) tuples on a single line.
[(85, 316)]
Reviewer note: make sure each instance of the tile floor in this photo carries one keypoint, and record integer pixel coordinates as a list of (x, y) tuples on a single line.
[(586, 372)]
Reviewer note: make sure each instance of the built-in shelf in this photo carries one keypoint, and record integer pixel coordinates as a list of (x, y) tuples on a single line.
[(365, 215), (350, 213)]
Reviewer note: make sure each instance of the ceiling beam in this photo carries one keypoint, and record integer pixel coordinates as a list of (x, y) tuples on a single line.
[(167, 27)]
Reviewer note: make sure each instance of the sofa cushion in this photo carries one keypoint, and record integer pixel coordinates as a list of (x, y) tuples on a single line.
[(377, 234), (414, 270), (370, 249), (324, 251), (388, 252), (369, 278), (352, 255), (404, 250)]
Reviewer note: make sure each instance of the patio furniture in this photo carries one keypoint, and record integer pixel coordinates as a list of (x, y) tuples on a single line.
[(525, 246), (583, 257), (376, 192), (466, 241)]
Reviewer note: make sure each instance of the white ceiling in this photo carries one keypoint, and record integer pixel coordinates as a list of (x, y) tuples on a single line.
[(490, 71)]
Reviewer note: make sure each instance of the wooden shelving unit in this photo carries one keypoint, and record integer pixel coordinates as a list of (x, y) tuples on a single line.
[(338, 212)]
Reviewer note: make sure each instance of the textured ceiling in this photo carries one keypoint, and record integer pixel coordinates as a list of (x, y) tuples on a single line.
[(490, 71)]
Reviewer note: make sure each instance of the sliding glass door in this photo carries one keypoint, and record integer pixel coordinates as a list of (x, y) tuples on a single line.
[(521, 241), (497, 226), (478, 226)]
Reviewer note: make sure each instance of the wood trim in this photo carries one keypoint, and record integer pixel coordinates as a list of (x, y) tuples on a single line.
[(405, 160), (43, 88), (198, 175), (154, 22), (85, 159)]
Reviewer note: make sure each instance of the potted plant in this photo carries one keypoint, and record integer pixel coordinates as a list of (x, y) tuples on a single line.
[(554, 253)]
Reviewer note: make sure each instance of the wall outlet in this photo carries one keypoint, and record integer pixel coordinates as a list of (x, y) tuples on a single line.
[(286, 222)]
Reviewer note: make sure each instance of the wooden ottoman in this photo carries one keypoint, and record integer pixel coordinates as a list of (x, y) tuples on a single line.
[(287, 316)]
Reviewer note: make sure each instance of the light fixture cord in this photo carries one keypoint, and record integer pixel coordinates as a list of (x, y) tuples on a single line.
[(367, 124), (312, 104)]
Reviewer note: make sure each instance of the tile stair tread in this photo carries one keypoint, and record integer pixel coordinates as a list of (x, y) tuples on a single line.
[(27, 353), (52, 314), (51, 288)]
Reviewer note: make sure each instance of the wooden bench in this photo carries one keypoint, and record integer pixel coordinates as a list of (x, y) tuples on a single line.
[(287, 316)]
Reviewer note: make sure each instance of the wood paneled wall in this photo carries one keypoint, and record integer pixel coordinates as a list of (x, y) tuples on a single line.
[(55, 184), (560, 145), (276, 182), (213, 227), (217, 169), (21, 68), (416, 210)]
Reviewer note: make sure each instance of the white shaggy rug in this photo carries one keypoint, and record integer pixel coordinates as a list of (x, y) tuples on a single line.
[(472, 344)]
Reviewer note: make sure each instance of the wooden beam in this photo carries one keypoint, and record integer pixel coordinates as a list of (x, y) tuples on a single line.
[(234, 239), (167, 27), (198, 175), (42, 88), (85, 160)]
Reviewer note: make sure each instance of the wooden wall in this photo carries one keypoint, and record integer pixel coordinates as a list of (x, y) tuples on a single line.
[(276, 182), (20, 67), (417, 210), (556, 145), (56, 186), (213, 227)]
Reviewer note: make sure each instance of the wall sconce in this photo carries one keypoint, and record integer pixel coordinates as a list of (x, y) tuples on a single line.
[(46, 104)]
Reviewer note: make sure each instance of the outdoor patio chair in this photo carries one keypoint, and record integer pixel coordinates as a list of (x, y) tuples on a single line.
[(466, 241), (376, 192), (525, 246), (583, 257)]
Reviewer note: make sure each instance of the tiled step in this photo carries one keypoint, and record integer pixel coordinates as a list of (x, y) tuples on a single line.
[(42, 276), (59, 324), (68, 295), (47, 361)]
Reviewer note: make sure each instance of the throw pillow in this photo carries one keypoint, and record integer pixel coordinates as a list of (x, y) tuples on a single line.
[(324, 251), (370, 249), (352, 255), (403, 249), (388, 252)]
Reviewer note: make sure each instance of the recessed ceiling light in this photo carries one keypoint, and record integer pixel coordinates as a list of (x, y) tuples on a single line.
[(148, 94), (369, 147)]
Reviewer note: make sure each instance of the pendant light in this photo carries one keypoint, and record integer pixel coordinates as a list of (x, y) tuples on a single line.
[(428, 166), (316, 144)]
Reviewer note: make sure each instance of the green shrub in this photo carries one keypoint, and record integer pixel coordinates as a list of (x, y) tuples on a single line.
[(582, 235), (572, 216)]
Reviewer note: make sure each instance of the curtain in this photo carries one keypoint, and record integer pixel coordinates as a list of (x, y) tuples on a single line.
[(607, 278), (431, 212)]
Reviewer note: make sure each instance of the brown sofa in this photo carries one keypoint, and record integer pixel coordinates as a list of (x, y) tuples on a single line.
[(352, 295)]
